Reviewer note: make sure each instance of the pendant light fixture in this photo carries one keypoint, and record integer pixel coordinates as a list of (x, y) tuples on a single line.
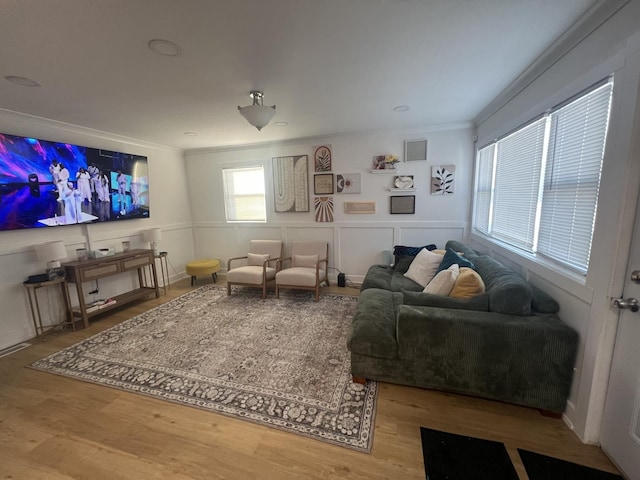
[(257, 114)]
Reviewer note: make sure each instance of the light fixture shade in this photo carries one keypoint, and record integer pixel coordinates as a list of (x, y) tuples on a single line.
[(51, 251), (152, 235), (257, 114)]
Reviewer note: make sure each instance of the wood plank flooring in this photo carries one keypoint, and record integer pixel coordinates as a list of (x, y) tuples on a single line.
[(53, 427)]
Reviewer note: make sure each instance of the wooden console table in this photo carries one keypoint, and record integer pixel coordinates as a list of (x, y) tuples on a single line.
[(94, 268)]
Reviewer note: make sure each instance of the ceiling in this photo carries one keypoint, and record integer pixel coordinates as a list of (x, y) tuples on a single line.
[(330, 66)]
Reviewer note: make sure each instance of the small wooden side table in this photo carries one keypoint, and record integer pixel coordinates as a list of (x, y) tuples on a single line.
[(32, 293), (164, 268)]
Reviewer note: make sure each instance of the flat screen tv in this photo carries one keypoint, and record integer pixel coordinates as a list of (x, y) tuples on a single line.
[(49, 184)]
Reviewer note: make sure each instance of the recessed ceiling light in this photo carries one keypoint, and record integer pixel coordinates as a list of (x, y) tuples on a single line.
[(165, 47), (281, 124), (22, 81), (401, 108), (191, 134)]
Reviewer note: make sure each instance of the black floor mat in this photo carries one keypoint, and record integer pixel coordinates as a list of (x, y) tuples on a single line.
[(541, 467), (448, 456)]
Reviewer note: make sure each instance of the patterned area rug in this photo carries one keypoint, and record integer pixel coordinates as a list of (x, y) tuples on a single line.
[(282, 363)]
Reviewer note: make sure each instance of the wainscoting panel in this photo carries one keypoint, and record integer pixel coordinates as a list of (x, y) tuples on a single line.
[(361, 247), (437, 233)]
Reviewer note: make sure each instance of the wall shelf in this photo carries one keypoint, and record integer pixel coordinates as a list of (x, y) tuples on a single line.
[(402, 189), (388, 170)]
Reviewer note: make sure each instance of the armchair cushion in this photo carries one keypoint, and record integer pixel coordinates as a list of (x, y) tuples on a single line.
[(257, 259), (250, 274), (300, 276), (308, 261)]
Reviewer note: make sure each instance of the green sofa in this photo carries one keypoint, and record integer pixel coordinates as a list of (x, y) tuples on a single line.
[(506, 344)]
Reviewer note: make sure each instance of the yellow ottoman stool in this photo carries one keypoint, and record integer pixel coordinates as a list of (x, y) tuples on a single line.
[(203, 267)]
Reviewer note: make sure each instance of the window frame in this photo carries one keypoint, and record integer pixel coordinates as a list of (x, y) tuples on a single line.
[(231, 195)]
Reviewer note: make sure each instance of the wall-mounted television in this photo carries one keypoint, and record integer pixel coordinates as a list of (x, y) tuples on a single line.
[(48, 184)]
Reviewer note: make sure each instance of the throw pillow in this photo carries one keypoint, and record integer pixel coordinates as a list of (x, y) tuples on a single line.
[(423, 267), (257, 259), (443, 282), (452, 257), (308, 261), (469, 284), (404, 251)]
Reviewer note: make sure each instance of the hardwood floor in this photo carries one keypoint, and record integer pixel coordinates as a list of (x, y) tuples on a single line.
[(53, 427)]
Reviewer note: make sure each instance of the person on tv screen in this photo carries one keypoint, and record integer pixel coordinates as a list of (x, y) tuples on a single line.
[(54, 169), (122, 191), (84, 186)]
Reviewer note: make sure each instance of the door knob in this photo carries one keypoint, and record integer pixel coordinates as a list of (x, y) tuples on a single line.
[(630, 303), (635, 276)]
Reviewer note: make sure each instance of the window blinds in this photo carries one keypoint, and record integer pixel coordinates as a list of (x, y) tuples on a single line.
[(537, 188), (572, 178)]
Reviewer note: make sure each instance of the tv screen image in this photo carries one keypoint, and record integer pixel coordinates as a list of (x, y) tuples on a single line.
[(48, 184)]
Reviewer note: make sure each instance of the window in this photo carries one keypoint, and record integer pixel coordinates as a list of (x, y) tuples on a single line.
[(537, 188), (244, 198)]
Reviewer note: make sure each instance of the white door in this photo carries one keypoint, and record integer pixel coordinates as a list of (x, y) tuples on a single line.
[(620, 436)]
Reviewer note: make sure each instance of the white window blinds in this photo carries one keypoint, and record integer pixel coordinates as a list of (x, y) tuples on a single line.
[(537, 188), (244, 194), (572, 178)]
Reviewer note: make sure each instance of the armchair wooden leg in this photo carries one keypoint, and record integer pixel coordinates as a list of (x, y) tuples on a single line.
[(228, 289), (277, 292)]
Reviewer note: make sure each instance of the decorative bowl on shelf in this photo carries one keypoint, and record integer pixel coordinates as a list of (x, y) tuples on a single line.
[(403, 181)]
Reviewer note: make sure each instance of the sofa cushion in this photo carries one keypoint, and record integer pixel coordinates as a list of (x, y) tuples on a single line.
[(373, 328), (444, 281), (509, 293), (468, 284), (424, 267), (453, 258), (542, 302), (479, 303), (402, 263), (461, 248)]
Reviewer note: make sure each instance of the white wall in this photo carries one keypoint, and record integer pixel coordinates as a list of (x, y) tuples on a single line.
[(585, 302), (169, 210), (356, 241)]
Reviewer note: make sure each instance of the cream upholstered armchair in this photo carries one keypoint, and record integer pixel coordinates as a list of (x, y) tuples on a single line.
[(308, 267), (260, 268)]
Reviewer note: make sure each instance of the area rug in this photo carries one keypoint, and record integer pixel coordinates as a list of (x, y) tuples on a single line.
[(282, 363), (542, 467), (448, 456)]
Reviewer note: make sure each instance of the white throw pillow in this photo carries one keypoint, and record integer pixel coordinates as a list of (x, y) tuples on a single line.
[(443, 282), (424, 267), (257, 259)]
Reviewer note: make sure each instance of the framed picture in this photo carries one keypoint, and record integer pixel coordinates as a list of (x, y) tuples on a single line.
[(323, 184), (348, 183), (323, 209), (403, 204), (291, 184), (322, 158), (415, 150), (359, 207), (443, 179)]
